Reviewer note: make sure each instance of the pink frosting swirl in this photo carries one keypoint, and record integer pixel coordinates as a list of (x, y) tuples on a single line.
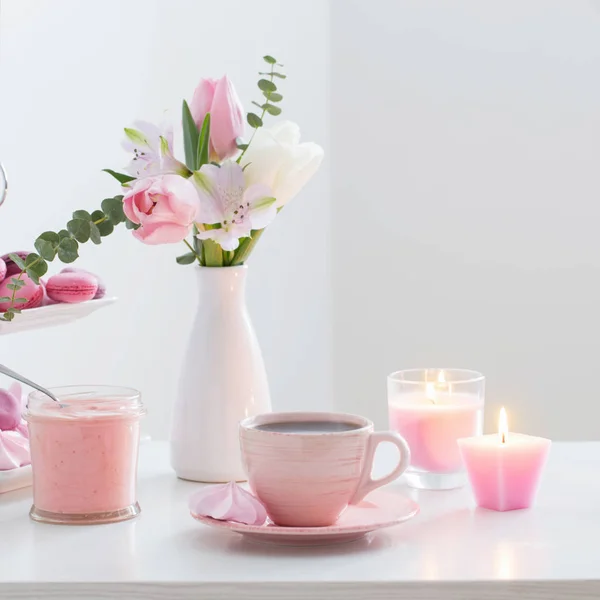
[(228, 502)]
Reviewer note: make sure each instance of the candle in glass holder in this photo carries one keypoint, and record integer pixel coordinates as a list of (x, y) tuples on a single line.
[(431, 409), (504, 468)]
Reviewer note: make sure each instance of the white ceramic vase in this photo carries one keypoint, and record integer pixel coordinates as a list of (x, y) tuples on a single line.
[(222, 382)]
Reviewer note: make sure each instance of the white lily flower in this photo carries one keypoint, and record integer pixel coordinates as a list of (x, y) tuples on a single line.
[(278, 159), (226, 200)]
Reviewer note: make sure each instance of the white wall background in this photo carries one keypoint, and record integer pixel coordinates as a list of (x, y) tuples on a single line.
[(464, 149), (466, 202), (72, 75)]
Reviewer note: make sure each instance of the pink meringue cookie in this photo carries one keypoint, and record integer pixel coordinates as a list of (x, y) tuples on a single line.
[(14, 450), (10, 410), (228, 502)]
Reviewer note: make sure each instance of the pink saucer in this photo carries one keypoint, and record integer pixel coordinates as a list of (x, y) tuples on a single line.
[(380, 509)]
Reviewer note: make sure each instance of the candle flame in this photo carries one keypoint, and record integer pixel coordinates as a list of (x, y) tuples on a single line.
[(441, 377), (503, 426), (430, 391)]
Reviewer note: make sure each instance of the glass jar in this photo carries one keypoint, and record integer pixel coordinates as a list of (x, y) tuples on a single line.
[(431, 409), (84, 453)]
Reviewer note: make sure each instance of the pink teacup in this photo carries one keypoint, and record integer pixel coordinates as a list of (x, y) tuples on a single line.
[(306, 467)]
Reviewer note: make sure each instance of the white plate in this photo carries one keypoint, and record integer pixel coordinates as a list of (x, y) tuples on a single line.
[(15, 479), (55, 314)]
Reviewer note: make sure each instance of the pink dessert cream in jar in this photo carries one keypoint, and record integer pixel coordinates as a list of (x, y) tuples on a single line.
[(84, 453)]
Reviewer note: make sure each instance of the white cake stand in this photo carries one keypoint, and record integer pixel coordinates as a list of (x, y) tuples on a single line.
[(38, 318)]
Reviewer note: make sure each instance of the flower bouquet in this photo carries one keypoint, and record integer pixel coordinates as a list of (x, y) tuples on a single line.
[(217, 202)]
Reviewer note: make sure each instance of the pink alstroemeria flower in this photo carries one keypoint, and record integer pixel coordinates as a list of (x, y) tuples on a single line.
[(225, 200), (152, 149)]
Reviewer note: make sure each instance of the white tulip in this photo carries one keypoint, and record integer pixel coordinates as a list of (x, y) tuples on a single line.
[(276, 158)]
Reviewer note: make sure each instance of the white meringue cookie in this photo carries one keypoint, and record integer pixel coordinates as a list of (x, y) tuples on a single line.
[(228, 502)]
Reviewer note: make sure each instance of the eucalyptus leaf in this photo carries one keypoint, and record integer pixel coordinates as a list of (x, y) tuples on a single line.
[(113, 209), (45, 248), (254, 120), (82, 214), (63, 233), (21, 300), (95, 233), (131, 225), (266, 86), (105, 228), (67, 250), (186, 259), (280, 75), (17, 260), (5, 298), (270, 59), (272, 110), (80, 229), (273, 97)]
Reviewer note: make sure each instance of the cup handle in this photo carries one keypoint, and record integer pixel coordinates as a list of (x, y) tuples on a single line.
[(367, 483)]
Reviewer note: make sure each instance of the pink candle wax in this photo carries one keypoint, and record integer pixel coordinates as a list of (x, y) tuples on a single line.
[(432, 428), (504, 469), (84, 456)]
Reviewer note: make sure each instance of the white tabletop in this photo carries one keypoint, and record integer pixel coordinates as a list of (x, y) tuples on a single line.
[(450, 551)]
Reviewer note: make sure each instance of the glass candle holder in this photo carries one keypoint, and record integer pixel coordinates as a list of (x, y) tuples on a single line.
[(84, 453), (431, 409)]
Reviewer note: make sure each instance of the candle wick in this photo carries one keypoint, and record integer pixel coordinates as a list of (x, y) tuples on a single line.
[(503, 438)]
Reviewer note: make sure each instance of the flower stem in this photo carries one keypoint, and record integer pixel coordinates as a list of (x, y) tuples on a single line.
[(245, 248), (262, 116), (193, 251)]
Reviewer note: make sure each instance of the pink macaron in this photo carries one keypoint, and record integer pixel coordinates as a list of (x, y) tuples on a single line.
[(2, 270), (11, 267), (100, 292), (72, 287), (32, 292)]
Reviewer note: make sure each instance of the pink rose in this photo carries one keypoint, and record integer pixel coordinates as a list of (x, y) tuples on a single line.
[(165, 207), (218, 97)]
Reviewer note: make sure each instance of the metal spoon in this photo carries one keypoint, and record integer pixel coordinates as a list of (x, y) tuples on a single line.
[(10, 373)]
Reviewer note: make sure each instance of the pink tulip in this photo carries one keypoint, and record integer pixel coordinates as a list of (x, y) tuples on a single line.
[(165, 207), (218, 97)]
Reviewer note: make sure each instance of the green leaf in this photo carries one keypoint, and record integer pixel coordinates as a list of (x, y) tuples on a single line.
[(95, 233), (18, 282), (5, 298), (270, 60), (12, 309), (12, 286), (274, 97), (203, 142), (63, 233), (67, 250), (190, 137), (267, 86), (105, 228), (257, 104), (245, 248), (120, 177), (36, 267), (213, 253), (17, 260), (137, 137), (97, 215), (242, 146), (280, 75), (272, 110), (20, 300), (8, 316), (186, 259), (113, 209), (47, 244), (131, 225), (82, 214), (80, 229), (254, 120)]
